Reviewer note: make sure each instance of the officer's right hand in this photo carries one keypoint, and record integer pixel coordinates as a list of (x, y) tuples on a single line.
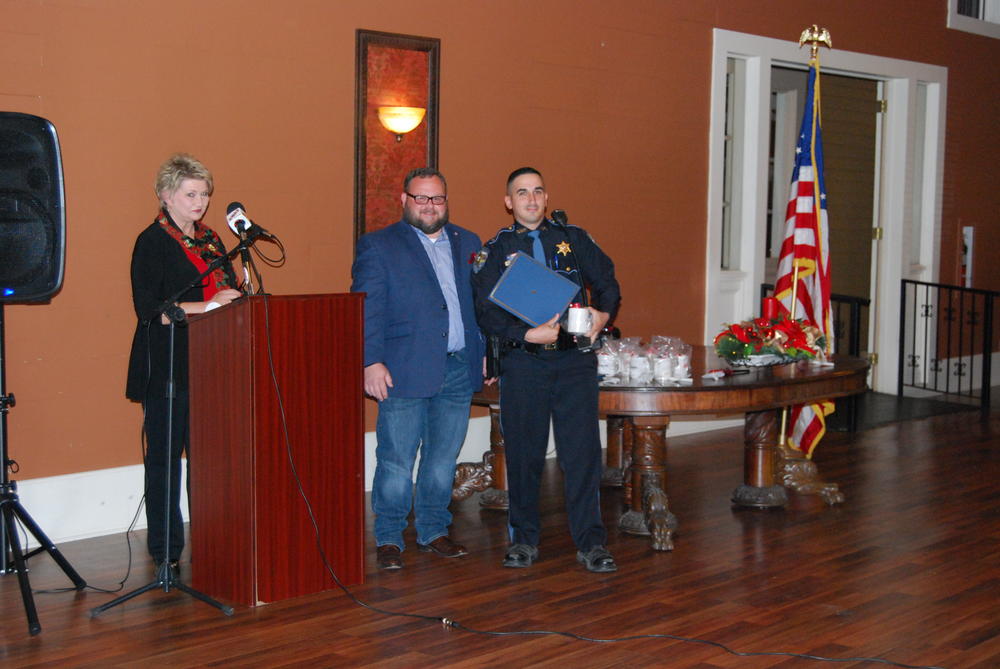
[(378, 380), (546, 333)]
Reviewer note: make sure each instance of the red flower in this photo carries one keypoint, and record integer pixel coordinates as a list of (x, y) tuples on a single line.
[(792, 330), (740, 333)]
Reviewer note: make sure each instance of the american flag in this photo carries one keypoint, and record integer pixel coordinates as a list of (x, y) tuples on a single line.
[(803, 283)]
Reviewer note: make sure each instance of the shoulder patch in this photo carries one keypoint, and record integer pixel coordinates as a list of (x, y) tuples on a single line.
[(479, 259)]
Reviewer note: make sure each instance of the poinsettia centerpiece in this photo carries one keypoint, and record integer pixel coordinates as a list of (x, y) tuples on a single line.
[(780, 338)]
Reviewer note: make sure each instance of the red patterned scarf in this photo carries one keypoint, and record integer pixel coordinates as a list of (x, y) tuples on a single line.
[(204, 245)]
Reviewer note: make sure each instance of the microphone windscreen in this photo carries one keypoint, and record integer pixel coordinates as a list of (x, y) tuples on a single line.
[(560, 217)]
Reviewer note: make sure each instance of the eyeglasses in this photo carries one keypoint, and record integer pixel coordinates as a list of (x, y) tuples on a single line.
[(424, 199)]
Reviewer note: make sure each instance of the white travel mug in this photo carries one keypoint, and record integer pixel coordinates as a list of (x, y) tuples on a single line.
[(663, 368), (578, 319), (607, 363)]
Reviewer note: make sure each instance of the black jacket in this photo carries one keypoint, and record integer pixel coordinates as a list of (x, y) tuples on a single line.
[(160, 268)]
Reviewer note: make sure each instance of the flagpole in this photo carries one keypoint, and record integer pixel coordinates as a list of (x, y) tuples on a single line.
[(784, 410), (814, 36)]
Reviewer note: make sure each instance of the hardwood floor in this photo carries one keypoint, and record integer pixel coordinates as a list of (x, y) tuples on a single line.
[(908, 569)]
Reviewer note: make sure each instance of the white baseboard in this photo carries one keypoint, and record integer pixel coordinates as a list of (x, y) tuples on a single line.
[(87, 504), (101, 502)]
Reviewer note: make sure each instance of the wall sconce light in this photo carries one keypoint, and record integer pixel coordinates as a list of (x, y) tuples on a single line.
[(400, 120)]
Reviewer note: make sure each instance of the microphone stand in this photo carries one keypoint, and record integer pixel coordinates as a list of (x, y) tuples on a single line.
[(165, 577), (11, 508), (247, 262)]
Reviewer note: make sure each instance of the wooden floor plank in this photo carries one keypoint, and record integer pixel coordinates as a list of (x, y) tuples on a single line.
[(908, 569)]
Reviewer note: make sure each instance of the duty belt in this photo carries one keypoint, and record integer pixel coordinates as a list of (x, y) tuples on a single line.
[(536, 348)]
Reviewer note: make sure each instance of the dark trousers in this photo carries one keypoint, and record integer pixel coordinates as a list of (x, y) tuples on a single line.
[(561, 386), (157, 454)]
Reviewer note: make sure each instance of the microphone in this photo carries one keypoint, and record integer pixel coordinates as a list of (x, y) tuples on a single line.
[(558, 215), (241, 225), (243, 228), (237, 218)]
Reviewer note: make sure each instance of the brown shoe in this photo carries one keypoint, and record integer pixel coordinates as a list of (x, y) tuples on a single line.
[(389, 557), (444, 547)]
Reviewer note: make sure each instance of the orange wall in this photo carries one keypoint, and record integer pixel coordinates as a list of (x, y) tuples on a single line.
[(610, 101)]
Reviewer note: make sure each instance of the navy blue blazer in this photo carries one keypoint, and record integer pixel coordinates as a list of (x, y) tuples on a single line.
[(406, 318)]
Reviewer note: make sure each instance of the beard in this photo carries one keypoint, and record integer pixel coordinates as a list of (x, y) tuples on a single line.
[(426, 228)]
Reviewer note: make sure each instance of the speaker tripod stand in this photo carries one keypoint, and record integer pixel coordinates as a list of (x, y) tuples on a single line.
[(11, 509)]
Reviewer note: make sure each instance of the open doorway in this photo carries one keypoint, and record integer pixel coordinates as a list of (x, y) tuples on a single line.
[(906, 200)]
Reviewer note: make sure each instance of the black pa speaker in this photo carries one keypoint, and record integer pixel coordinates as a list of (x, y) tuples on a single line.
[(32, 209)]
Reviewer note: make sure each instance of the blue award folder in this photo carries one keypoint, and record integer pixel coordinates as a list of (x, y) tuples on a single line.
[(531, 291)]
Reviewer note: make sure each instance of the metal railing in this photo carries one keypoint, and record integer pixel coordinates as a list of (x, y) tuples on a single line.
[(946, 340)]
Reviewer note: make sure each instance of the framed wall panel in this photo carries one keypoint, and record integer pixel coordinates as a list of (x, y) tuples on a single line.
[(391, 70)]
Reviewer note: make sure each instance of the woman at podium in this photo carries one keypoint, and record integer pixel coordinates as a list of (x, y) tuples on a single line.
[(168, 257)]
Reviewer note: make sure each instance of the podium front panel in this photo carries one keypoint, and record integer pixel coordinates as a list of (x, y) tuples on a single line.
[(276, 403)]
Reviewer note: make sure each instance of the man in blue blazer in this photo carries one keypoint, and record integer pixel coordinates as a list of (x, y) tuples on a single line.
[(423, 361)]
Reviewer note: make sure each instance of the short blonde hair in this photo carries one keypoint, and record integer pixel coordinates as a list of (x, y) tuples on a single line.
[(176, 169)]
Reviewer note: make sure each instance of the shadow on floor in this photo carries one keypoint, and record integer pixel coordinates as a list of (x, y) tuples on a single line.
[(875, 409)]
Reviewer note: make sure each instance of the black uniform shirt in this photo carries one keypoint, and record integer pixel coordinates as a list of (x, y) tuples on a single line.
[(569, 250)]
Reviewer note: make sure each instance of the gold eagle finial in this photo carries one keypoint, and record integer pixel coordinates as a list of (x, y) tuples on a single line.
[(815, 36)]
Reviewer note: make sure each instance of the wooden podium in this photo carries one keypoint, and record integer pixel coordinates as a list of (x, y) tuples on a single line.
[(252, 539)]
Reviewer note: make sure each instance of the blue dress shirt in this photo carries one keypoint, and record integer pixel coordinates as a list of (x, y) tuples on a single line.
[(439, 252)]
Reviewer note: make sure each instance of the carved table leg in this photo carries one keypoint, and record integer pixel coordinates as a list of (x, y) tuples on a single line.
[(488, 476), (495, 497), (760, 487), (800, 474), (619, 442), (648, 513)]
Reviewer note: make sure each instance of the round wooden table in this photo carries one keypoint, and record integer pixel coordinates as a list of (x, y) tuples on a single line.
[(639, 414)]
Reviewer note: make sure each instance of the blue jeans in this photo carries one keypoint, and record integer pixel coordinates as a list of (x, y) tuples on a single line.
[(436, 427)]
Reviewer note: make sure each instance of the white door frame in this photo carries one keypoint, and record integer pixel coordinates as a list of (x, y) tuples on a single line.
[(732, 295)]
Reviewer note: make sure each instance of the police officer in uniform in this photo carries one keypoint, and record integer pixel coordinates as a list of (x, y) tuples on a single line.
[(546, 374)]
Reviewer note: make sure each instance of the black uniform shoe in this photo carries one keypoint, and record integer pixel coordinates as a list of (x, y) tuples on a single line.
[(597, 559), (520, 555)]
